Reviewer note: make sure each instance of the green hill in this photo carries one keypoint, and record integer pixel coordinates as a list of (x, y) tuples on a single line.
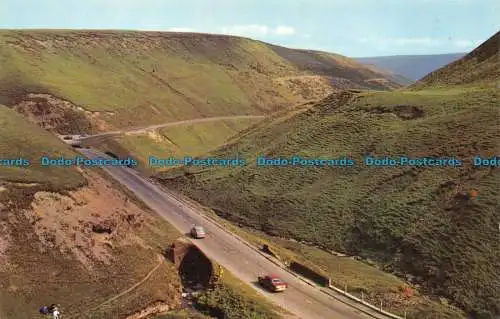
[(76, 238), (19, 138), (50, 250), (122, 78), (435, 226), (481, 66), (177, 141)]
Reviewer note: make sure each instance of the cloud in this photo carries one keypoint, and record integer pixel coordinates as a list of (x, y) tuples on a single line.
[(465, 44), (284, 30), (257, 30)]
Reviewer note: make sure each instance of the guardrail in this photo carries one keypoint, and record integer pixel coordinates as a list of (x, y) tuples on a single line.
[(369, 305), (334, 289)]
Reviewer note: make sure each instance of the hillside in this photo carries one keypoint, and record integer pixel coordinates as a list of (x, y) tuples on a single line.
[(74, 237), (177, 141), (120, 79), (60, 213), (481, 66), (421, 223), (411, 67)]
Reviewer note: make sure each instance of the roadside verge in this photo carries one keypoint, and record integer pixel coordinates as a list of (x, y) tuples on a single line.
[(330, 290)]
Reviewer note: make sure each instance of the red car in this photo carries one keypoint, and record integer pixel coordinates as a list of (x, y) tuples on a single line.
[(272, 283)]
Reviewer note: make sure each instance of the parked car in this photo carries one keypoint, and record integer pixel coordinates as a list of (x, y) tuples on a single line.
[(272, 283), (198, 232)]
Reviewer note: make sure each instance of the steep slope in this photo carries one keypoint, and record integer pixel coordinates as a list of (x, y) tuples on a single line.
[(73, 237), (411, 67), (342, 72), (424, 223), (391, 75), (481, 66), (139, 78)]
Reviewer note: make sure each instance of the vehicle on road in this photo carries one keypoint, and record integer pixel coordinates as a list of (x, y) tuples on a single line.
[(72, 140), (272, 283), (198, 232)]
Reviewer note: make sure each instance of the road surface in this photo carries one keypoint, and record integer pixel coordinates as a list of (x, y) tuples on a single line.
[(99, 138), (301, 299)]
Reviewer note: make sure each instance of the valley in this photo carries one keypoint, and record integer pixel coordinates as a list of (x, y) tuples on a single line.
[(420, 240)]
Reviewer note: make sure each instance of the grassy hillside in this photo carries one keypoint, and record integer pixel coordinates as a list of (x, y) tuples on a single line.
[(76, 238), (18, 138), (480, 66), (176, 141), (418, 222), (51, 249), (411, 67), (341, 71), (139, 78)]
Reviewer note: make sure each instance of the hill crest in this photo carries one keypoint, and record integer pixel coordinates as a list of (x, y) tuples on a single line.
[(481, 65), (157, 77)]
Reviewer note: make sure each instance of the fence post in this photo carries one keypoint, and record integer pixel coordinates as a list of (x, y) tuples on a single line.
[(345, 288), (362, 296), (381, 305), (405, 315)]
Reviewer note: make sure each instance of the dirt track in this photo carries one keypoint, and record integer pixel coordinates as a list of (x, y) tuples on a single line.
[(137, 284)]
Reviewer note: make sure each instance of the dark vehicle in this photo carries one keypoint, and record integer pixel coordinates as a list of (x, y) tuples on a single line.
[(272, 283)]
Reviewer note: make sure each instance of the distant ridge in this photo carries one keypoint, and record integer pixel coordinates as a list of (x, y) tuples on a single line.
[(482, 65), (412, 67)]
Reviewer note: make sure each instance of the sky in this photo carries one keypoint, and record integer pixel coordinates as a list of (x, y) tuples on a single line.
[(355, 28)]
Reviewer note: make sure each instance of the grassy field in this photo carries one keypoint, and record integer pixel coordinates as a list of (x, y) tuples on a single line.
[(177, 141), (418, 223), (19, 138), (141, 78)]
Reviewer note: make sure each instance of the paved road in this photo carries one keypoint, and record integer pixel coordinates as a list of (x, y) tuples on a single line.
[(302, 299), (99, 138)]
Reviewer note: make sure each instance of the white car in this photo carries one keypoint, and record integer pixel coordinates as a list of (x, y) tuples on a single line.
[(198, 232)]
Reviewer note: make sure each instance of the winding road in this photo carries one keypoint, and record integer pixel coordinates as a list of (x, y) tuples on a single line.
[(301, 299), (93, 140)]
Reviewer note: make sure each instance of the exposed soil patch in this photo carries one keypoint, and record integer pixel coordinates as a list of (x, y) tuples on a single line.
[(404, 112), (307, 86), (154, 309), (332, 102), (58, 115), (4, 245), (84, 222)]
